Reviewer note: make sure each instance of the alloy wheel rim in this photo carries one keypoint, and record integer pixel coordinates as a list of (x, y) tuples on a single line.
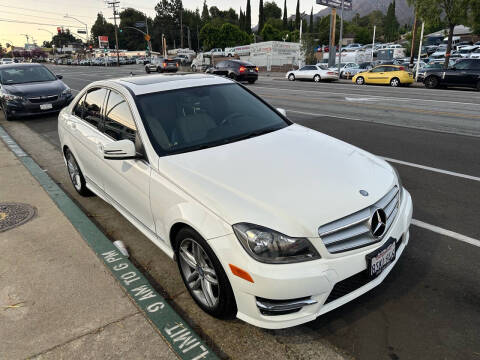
[(199, 274), (394, 82), (317, 78), (360, 81), (74, 172)]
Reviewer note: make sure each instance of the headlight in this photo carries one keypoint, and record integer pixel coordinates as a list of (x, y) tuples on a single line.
[(11, 97), (400, 185), (269, 246), (67, 91)]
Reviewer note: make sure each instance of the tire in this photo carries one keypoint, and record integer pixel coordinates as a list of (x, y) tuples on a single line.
[(291, 77), (360, 80), (229, 55), (147, 70), (431, 82), (251, 81), (233, 76), (194, 68), (159, 70), (395, 82), (6, 116), (203, 275), (478, 85), (75, 174), (317, 78)]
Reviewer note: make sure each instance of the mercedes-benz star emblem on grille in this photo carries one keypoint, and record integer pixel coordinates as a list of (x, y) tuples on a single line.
[(378, 223)]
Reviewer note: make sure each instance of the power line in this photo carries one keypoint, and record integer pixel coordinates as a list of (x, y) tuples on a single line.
[(35, 23), (35, 16), (41, 11)]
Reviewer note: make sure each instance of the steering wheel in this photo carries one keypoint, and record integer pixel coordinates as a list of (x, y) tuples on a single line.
[(230, 117)]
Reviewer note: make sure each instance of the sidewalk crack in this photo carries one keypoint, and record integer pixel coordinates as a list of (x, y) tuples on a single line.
[(93, 331)]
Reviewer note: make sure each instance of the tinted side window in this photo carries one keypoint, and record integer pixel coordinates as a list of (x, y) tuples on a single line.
[(378, 69), (93, 106), (119, 123), (79, 108), (475, 65), (222, 64)]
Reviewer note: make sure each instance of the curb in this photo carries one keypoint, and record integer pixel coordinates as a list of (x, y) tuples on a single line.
[(179, 336)]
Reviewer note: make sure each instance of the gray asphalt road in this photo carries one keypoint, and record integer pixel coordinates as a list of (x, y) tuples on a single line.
[(429, 306)]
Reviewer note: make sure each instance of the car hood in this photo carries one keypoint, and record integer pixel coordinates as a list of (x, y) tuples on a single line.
[(46, 88), (292, 180)]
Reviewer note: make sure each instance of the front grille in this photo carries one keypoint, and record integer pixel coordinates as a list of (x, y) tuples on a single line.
[(43, 99), (354, 282), (353, 231)]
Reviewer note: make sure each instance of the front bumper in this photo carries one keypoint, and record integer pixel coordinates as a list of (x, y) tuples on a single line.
[(27, 108), (301, 282)]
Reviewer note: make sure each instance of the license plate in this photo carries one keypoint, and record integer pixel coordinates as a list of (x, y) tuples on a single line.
[(378, 260), (251, 70), (45, 106)]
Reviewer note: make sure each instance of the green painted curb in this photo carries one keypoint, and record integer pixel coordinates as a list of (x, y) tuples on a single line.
[(181, 338)]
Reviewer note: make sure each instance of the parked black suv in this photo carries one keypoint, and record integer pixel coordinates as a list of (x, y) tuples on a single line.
[(465, 73), (236, 70)]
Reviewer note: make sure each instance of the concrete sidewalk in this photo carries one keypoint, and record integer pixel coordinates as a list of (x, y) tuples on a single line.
[(57, 299)]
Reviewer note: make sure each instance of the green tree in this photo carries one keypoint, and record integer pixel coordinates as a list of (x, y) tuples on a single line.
[(297, 16), (308, 48), (100, 28), (167, 22), (226, 35), (261, 16), (131, 39), (205, 14), (272, 11), (248, 18), (285, 18), (474, 19), (454, 12), (310, 24), (270, 33), (391, 24), (64, 39)]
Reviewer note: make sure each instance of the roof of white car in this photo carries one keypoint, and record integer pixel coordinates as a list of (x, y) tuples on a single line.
[(146, 84)]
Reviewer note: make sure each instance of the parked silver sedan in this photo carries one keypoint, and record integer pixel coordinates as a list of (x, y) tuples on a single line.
[(312, 72)]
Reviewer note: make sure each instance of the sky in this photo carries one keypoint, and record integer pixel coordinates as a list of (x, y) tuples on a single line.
[(48, 14)]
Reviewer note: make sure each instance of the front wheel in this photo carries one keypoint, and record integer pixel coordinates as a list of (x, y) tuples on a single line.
[(360, 80), (317, 78), (7, 116), (395, 82), (147, 70), (291, 77), (431, 82), (203, 275), (76, 176), (194, 68)]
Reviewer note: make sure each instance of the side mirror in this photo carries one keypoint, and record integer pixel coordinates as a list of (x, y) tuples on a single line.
[(120, 150), (59, 76), (282, 111)]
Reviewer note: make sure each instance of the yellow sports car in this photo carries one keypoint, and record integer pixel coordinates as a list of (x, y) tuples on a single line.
[(394, 75)]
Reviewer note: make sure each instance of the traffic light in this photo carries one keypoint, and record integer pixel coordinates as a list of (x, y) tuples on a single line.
[(120, 30), (59, 30)]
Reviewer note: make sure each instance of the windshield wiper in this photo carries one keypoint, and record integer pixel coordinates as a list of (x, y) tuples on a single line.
[(251, 135)]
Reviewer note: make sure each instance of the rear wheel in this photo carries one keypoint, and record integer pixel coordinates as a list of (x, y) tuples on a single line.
[(203, 275), (251, 81), (395, 82), (431, 82), (147, 70), (194, 68), (360, 80), (317, 78), (232, 76), (76, 176), (291, 77)]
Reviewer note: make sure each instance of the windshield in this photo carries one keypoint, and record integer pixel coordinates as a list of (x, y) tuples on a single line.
[(25, 74), (196, 118)]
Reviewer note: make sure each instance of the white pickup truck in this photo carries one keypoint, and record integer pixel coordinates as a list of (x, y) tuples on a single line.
[(201, 62)]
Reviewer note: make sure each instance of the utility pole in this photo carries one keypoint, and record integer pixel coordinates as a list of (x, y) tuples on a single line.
[(340, 41), (113, 4), (189, 42), (419, 52), (412, 50), (181, 27), (331, 44), (373, 40), (198, 40)]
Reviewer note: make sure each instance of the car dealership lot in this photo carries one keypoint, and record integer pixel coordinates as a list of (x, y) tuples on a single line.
[(433, 292)]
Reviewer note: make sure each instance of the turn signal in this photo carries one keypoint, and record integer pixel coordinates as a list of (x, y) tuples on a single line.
[(240, 273), (164, 64)]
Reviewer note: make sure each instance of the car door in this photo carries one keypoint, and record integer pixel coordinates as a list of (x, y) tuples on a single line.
[(302, 73), (462, 74), (86, 120), (375, 75), (221, 68), (126, 182)]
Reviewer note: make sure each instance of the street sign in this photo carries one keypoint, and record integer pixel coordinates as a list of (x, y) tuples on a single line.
[(103, 41), (147, 37), (81, 31), (140, 24), (347, 4)]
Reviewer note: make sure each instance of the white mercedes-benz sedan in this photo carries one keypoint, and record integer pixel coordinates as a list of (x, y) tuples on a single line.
[(267, 220), (315, 73)]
